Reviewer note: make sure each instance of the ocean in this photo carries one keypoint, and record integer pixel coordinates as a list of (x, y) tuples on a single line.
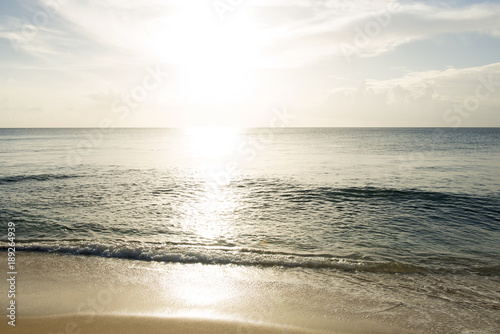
[(409, 216)]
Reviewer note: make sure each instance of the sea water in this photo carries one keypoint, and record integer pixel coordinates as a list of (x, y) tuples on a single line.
[(408, 214)]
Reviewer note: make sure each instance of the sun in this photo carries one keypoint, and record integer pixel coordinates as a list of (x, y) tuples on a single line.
[(214, 60)]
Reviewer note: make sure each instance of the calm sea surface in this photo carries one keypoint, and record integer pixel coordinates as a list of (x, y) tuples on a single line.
[(421, 203)]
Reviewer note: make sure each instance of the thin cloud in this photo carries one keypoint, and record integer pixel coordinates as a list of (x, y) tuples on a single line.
[(346, 29), (372, 33), (418, 97)]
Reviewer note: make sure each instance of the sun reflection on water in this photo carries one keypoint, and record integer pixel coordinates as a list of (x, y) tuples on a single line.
[(210, 214), (212, 143), (208, 211)]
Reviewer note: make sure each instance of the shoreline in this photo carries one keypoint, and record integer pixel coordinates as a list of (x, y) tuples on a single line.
[(56, 291)]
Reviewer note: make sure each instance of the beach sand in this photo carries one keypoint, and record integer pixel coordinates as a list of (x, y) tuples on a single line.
[(73, 324), (85, 294)]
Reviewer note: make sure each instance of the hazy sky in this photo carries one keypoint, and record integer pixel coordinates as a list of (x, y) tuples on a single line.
[(168, 63)]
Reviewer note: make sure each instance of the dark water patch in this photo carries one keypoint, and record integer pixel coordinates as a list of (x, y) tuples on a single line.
[(36, 177)]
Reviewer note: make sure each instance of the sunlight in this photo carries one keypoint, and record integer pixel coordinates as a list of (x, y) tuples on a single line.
[(198, 296), (208, 215), (213, 224), (214, 60), (212, 143), (203, 289)]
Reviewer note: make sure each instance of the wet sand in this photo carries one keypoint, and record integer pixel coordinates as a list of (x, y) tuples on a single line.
[(84, 294)]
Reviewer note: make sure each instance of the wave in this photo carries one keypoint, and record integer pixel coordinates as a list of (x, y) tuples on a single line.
[(35, 177), (263, 186), (178, 253), (340, 194), (419, 199)]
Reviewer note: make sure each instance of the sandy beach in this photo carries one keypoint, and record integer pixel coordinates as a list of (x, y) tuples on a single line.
[(68, 294), (136, 324)]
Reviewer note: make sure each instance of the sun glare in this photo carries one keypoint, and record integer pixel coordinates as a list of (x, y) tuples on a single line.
[(214, 59), (212, 143)]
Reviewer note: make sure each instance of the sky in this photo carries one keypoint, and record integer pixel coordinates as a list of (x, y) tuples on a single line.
[(178, 63)]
